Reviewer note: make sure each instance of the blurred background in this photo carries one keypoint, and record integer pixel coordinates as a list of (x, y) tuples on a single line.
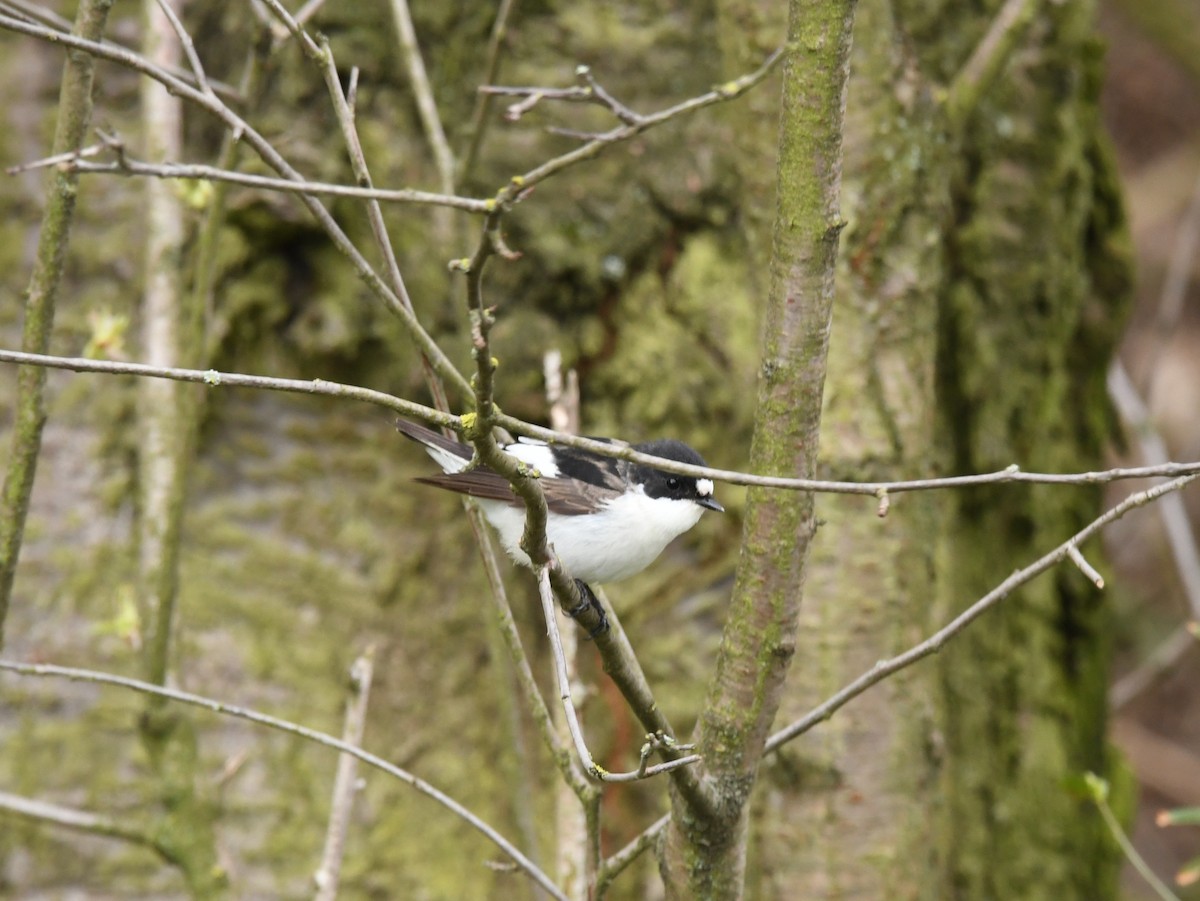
[(1151, 105), (305, 540)]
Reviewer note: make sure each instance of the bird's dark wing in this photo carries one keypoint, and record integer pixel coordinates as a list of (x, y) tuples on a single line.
[(571, 497), (568, 497)]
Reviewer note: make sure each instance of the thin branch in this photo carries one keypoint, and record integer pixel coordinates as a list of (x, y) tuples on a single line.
[(885, 668), (307, 11), (594, 147), (423, 92), (614, 865), (987, 61), (213, 378), (35, 13), (589, 765), (1010, 474), (358, 161), (1099, 793), (84, 821), (483, 103), (131, 167), (1160, 660), (1089, 571), (73, 121), (271, 156), (214, 706), (1178, 525), (345, 785), (293, 26), (1179, 265), (188, 47)]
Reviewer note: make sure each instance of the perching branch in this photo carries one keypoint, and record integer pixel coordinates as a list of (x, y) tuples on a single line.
[(212, 705), (564, 694), (213, 378)]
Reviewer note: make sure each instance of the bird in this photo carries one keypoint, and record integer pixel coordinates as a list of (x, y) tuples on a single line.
[(607, 520)]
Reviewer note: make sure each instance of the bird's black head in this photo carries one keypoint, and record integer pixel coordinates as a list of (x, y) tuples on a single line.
[(659, 484)]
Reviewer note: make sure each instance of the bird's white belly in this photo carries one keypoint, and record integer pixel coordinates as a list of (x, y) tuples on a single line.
[(615, 543)]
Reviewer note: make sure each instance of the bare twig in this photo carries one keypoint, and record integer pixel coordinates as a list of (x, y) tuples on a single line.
[(307, 11), (187, 46), (37, 13), (293, 26), (588, 91), (1180, 536), (614, 865), (1160, 660), (423, 92), (483, 102), (345, 782), (345, 116), (59, 159), (594, 147), (271, 156), (220, 707), (1179, 265), (200, 172), (592, 768), (1076, 557), (84, 821), (885, 668), (213, 378)]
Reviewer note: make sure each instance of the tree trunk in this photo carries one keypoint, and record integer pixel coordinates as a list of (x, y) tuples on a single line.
[(704, 852), (986, 238), (1038, 279)]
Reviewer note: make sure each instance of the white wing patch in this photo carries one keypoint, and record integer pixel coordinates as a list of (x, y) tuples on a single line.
[(540, 456)]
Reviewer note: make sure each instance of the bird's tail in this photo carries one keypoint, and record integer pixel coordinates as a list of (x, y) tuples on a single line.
[(451, 455)]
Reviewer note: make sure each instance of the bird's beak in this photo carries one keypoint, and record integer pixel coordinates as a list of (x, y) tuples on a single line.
[(711, 503)]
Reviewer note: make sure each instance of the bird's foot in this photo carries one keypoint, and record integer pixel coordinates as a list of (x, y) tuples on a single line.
[(588, 602)]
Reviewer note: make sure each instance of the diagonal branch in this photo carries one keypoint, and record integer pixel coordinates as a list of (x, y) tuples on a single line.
[(214, 706), (85, 821), (885, 668), (214, 105), (423, 91)]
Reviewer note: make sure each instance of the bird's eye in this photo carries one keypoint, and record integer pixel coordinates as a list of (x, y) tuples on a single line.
[(673, 483)]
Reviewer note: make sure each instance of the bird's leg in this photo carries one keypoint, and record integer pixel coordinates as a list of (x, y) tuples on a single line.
[(589, 600)]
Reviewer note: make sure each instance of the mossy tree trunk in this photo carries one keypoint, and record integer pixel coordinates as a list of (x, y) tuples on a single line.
[(1036, 287), (981, 284)]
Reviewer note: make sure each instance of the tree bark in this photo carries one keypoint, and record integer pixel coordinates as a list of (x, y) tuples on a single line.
[(704, 852)]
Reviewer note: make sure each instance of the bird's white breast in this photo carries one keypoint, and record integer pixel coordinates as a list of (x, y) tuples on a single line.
[(620, 540)]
